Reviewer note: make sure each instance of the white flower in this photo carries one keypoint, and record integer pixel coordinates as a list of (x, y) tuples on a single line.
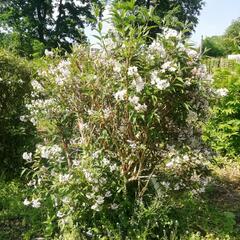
[(108, 194), (192, 53), (186, 158), (106, 113), (105, 161), (60, 214), (177, 187), (88, 175), (170, 66), (154, 77), (26, 202), (36, 203), (132, 144), (166, 65), (114, 206), (222, 92), (113, 167), (137, 106), (64, 178), (120, 95), (23, 119), (95, 207), (172, 69), (166, 184), (33, 121), (170, 164), (134, 100), (66, 200), (31, 183), (187, 83), (48, 53), (36, 85), (117, 67), (132, 71), (157, 47), (201, 72), (90, 195), (100, 200), (89, 233), (103, 180), (170, 33), (27, 156), (96, 154), (55, 149), (140, 107), (76, 163), (138, 83), (63, 66), (59, 80), (44, 151), (162, 84), (95, 188)]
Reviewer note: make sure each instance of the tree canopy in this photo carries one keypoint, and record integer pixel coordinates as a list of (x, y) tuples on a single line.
[(228, 43), (47, 23), (215, 46), (232, 33)]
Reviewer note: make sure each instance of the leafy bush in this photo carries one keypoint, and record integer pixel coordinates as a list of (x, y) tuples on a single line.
[(121, 130), (16, 135), (222, 132)]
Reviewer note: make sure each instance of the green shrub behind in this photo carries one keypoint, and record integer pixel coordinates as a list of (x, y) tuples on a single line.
[(15, 134), (222, 132)]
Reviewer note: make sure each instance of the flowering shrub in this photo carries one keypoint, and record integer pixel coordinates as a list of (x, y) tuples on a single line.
[(121, 136)]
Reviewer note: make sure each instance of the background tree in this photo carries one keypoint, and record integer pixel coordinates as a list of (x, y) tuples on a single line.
[(215, 46), (228, 43), (40, 24), (232, 35)]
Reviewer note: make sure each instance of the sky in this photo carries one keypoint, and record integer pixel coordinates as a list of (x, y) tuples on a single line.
[(215, 17)]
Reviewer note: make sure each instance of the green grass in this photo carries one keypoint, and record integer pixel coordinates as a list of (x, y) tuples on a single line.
[(216, 216), (16, 220)]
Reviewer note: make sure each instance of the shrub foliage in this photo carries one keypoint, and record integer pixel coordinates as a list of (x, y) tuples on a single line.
[(15, 134)]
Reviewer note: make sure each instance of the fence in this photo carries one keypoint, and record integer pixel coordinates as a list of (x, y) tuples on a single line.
[(213, 63)]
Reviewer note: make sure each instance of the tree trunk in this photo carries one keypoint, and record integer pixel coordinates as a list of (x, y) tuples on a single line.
[(41, 15), (148, 4)]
